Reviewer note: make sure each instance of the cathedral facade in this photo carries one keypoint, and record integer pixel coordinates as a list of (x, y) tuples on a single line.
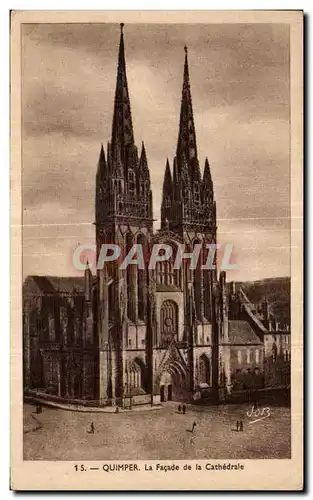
[(161, 329), (139, 335)]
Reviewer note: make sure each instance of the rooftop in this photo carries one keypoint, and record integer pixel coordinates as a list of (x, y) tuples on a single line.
[(241, 333)]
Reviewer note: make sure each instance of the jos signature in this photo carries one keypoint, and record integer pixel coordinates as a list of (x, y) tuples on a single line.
[(258, 414)]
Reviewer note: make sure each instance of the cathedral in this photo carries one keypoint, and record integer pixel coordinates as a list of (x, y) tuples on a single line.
[(139, 336)]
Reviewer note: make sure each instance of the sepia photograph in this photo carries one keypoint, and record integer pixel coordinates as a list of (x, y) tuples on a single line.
[(157, 225)]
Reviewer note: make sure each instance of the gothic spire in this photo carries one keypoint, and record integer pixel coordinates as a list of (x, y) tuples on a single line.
[(167, 183), (122, 130), (187, 135), (143, 156), (167, 198), (207, 178), (102, 156), (143, 163), (126, 192), (208, 193), (102, 166)]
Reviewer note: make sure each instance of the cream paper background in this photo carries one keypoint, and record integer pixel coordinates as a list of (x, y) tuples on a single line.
[(257, 474)]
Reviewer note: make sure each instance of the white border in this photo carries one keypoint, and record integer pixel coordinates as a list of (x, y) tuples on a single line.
[(4, 184)]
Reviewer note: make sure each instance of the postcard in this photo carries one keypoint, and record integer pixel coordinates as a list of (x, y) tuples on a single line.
[(156, 257)]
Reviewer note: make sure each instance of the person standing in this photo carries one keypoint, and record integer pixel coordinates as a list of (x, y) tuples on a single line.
[(92, 429)]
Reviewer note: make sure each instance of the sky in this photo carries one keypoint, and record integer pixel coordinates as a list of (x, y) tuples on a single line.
[(239, 77)]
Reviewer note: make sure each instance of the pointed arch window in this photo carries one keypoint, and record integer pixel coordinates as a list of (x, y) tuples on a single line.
[(166, 274), (131, 182), (197, 193)]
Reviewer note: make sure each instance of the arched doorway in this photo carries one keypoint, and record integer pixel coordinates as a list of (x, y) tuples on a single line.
[(172, 383), (165, 382)]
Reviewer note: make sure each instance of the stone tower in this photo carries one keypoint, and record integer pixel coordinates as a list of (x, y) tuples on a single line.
[(189, 210), (123, 217), (188, 206)]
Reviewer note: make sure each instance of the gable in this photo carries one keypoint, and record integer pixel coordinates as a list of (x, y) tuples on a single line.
[(241, 333)]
